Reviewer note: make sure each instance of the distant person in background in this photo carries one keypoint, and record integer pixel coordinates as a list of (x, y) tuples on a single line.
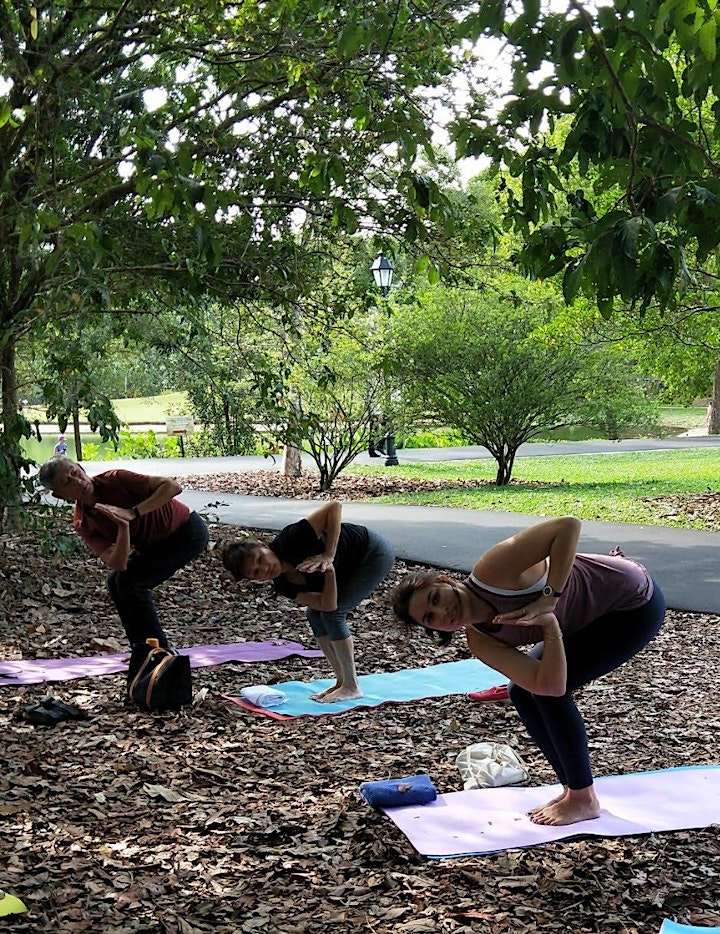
[(61, 447), (328, 566), (137, 528), (378, 436)]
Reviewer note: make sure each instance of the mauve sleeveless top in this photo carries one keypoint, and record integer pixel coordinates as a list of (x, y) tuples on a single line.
[(598, 584)]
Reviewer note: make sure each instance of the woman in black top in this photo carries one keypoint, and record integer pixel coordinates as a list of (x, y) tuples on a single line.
[(328, 566)]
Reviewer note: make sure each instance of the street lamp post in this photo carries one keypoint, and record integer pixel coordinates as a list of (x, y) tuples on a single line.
[(382, 270)]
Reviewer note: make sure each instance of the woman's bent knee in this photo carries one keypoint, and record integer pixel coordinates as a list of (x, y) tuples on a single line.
[(332, 625)]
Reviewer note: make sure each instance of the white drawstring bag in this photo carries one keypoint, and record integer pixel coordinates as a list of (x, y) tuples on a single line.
[(490, 765)]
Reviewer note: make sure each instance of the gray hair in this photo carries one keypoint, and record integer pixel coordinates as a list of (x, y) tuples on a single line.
[(52, 471)]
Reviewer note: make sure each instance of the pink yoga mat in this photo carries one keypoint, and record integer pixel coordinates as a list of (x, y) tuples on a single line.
[(37, 670), (465, 823)]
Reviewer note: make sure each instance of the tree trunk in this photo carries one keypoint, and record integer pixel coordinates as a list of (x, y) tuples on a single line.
[(8, 379), (505, 460), (713, 416), (9, 438), (292, 461), (76, 431)]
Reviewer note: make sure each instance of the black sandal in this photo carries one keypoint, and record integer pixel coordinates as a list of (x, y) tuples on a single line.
[(51, 711), (71, 712)]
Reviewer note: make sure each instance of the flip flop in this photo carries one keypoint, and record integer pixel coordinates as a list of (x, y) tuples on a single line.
[(71, 712), (51, 711), (499, 692), (43, 716)]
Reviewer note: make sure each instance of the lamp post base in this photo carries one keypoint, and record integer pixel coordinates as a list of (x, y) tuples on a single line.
[(390, 453)]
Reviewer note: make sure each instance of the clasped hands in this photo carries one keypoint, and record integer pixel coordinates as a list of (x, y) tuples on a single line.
[(118, 514), (540, 612), (322, 562)]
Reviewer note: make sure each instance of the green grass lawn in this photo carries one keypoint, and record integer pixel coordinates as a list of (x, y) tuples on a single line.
[(154, 409), (606, 487), (151, 409), (683, 417), (148, 410)]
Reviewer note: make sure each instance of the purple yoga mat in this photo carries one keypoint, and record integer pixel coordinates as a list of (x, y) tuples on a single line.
[(37, 670), (465, 823)]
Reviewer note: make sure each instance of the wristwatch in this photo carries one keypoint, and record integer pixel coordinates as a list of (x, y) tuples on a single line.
[(136, 512), (549, 591)]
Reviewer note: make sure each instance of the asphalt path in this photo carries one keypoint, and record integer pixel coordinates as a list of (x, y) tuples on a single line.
[(178, 466), (686, 564)]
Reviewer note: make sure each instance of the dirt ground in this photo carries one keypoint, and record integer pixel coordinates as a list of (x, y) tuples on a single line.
[(216, 819)]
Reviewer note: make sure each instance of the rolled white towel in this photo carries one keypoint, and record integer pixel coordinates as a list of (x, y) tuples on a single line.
[(262, 695)]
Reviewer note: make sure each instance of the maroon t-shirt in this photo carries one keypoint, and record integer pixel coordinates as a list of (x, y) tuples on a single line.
[(598, 584), (126, 489)]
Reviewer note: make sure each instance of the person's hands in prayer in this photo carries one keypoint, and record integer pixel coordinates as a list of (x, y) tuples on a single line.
[(539, 613), (118, 514), (317, 563)]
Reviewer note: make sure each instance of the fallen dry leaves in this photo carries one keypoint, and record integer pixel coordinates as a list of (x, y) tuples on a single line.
[(346, 487), (218, 820)]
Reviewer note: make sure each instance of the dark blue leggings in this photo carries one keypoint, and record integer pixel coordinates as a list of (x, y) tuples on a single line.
[(555, 723), (132, 588)]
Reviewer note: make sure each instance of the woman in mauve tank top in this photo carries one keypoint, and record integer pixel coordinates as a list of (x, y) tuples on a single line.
[(584, 615)]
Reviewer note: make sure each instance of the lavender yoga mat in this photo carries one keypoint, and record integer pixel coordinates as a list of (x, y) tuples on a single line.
[(466, 823), (37, 670)]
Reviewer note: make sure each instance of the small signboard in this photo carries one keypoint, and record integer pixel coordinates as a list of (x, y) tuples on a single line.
[(179, 425)]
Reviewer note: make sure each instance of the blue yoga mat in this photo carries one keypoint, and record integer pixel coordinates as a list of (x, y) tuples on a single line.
[(672, 927), (394, 687)]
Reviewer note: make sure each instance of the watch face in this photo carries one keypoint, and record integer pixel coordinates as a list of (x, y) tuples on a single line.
[(548, 591)]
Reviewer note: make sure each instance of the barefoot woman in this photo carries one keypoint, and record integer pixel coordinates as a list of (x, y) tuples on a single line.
[(328, 566), (585, 614)]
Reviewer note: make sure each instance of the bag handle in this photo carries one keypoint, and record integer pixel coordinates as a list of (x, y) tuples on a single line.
[(158, 670), (141, 671)]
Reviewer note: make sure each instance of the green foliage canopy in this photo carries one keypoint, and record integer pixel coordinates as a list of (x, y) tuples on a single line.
[(489, 363), (188, 149), (639, 83), (185, 146)]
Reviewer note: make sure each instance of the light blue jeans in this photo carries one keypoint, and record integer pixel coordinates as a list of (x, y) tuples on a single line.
[(374, 568)]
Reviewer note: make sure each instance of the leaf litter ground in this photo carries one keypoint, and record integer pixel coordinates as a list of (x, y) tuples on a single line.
[(215, 819)]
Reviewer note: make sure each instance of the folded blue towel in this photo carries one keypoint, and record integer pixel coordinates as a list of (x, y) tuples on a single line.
[(397, 792), (261, 695)]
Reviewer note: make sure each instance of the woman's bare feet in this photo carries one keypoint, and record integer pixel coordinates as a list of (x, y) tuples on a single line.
[(571, 808), (542, 807), (338, 694), (320, 694)]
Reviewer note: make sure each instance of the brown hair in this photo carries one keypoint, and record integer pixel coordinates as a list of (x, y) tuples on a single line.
[(400, 600), (233, 555)]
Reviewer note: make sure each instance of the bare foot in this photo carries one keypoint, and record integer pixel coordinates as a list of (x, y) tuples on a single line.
[(321, 694), (542, 807), (338, 694), (573, 807)]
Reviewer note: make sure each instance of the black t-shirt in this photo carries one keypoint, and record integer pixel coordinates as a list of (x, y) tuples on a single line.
[(299, 541)]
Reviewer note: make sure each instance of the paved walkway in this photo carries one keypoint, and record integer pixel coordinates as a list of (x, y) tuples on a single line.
[(177, 466), (686, 564)]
